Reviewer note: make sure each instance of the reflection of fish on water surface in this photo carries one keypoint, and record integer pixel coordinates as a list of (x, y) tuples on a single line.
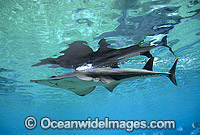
[(84, 82), (155, 22), (103, 57)]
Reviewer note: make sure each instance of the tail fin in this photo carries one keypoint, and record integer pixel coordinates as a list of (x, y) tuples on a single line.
[(172, 73), (164, 43)]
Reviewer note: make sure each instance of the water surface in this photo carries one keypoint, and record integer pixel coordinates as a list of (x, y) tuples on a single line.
[(36, 29)]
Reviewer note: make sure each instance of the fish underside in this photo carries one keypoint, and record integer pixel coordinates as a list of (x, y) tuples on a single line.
[(79, 54), (84, 82)]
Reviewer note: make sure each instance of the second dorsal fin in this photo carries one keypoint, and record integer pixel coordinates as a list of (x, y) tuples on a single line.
[(149, 64)]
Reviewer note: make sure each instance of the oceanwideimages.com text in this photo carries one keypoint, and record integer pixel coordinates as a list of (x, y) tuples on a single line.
[(128, 125)]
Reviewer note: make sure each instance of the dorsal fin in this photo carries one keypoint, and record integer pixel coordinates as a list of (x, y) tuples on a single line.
[(111, 86), (103, 45), (77, 45), (149, 64)]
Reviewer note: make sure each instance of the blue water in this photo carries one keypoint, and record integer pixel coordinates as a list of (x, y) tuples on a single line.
[(37, 29)]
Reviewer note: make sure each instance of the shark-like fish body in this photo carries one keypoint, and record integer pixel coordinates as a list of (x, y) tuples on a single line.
[(79, 54), (84, 82)]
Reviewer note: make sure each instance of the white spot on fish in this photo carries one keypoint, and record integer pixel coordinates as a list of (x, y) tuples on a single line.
[(85, 67)]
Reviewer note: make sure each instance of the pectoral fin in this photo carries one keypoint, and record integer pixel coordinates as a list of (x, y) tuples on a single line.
[(106, 79), (83, 91)]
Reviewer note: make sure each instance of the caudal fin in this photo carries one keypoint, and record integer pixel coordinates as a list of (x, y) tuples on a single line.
[(164, 43), (172, 76)]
